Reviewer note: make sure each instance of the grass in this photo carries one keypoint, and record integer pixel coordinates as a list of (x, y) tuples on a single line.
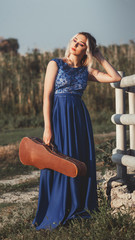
[(10, 168), (101, 124), (23, 187), (103, 154), (11, 136), (5, 205), (103, 225)]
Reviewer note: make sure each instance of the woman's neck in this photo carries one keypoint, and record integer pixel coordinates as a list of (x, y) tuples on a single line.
[(75, 61)]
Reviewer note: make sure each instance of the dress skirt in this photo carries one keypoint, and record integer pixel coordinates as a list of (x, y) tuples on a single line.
[(60, 197)]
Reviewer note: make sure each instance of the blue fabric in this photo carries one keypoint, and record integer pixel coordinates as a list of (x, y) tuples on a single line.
[(60, 197), (73, 80)]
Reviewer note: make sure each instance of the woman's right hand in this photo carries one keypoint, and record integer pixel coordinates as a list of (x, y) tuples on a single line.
[(48, 136)]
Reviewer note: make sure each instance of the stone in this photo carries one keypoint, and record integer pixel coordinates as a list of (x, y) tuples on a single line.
[(133, 196), (116, 184), (121, 194), (123, 189), (116, 203)]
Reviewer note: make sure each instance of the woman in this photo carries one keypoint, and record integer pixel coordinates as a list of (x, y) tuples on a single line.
[(68, 125)]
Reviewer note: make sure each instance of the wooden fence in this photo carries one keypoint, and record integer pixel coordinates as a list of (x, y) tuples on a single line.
[(121, 155)]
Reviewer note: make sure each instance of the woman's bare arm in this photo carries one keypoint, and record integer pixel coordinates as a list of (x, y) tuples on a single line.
[(111, 74), (50, 76)]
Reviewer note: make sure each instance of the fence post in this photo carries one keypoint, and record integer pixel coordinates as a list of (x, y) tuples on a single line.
[(131, 96), (120, 129)]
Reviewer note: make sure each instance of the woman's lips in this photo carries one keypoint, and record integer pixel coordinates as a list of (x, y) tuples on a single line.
[(73, 49)]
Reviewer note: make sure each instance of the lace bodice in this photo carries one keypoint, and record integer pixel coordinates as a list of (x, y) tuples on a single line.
[(70, 79)]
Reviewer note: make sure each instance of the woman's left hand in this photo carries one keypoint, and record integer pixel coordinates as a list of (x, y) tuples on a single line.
[(111, 74)]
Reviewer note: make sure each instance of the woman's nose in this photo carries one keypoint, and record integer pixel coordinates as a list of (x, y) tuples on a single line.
[(76, 44)]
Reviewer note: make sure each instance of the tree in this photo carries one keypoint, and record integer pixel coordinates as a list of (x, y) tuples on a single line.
[(8, 45)]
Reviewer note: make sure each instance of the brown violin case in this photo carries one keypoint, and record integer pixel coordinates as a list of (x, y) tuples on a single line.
[(33, 151)]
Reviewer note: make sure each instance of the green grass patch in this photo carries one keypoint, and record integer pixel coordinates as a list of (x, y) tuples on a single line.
[(12, 169), (103, 127), (104, 152), (15, 135), (103, 155), (101, 122)]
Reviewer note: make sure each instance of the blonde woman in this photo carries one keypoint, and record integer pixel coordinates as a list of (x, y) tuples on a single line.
[(68, 126)]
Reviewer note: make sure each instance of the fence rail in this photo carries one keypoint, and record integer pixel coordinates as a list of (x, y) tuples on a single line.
[(122, 156)]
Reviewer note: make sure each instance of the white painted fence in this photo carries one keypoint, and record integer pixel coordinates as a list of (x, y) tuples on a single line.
[(122, 156)]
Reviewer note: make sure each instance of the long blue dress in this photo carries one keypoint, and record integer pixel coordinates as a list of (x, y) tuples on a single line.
[(60, 197)]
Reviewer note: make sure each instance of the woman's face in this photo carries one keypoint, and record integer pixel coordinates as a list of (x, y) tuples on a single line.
[(78, 45)]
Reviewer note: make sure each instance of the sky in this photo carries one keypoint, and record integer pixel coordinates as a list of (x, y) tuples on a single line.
[(49, 24)]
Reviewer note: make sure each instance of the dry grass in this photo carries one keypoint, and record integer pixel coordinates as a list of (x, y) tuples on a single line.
[(9, 154)]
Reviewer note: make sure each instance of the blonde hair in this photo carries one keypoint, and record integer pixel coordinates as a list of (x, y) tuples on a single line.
[(87, 59)]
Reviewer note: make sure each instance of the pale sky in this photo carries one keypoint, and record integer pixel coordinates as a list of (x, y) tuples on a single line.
[(49, 24)]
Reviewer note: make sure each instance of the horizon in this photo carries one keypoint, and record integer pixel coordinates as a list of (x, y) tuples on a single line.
[(47, 25), (130, 41)]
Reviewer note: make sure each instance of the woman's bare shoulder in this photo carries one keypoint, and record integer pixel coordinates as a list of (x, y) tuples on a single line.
[(56, 62)]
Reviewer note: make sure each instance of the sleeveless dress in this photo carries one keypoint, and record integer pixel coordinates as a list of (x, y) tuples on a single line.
[(60, 197)]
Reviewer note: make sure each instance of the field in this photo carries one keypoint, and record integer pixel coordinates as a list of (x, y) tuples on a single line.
[(21, 94), (19, 196)]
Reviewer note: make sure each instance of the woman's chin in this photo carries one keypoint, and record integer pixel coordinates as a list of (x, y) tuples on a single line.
[(73, 52)]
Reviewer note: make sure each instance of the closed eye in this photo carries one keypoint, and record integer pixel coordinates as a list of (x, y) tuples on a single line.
[(79, 43)]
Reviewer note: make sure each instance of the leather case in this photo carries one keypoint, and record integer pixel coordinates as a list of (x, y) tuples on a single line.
[(33, 151)]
